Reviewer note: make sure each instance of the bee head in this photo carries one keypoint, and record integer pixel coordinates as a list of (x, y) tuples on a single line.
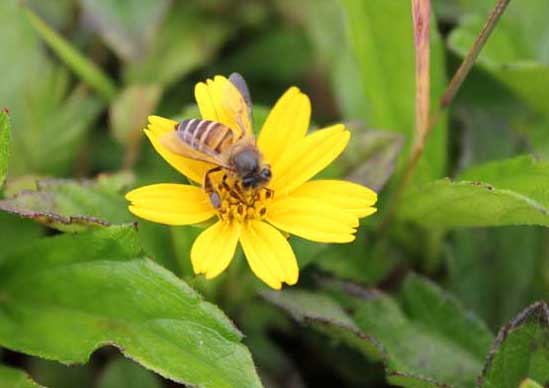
[(258, 179), (247, 165)]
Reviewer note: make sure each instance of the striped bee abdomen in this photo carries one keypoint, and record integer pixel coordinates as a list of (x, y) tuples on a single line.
[(205, 136)]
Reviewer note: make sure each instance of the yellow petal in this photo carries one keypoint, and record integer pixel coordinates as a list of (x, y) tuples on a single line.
[(269, 254), (159, 125), (287, 122), (312, 219), (219, 100), (192, 169), (345, 196), (170, 204), (214, 248), (307, 157)]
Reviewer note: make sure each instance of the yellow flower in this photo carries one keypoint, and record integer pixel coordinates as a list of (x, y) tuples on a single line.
[(318, 210)]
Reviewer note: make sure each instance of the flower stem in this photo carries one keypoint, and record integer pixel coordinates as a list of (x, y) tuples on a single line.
[(422, 134)]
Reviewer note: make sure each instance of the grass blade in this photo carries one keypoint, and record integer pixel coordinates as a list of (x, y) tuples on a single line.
[(83, 67)]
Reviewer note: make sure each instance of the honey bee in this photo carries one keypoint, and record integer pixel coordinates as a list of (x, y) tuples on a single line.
[(233, 150)]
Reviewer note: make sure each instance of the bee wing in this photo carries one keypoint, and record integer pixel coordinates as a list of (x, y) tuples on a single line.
[(237, 99), (173, 143)]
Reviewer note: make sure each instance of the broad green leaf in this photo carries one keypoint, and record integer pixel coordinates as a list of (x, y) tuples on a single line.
[(15, 378), (497, 271), (425, 339), (428, 334), (81, 65), (70, 205), (428, 305), (121, 372), (326, 315), (19, 40), (529, 383), (127, 27), (508, 192), (5, 136), (523, 174), (48, 121), (16, 232), (116, 297), (381, 35), (49, 130), (516, 54), (444, 203), (186, 40), (521, 350)]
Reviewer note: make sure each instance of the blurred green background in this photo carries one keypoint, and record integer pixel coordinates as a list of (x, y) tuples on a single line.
[(78, 102)]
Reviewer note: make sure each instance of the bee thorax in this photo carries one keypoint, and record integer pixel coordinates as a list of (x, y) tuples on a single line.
[(246, 162)]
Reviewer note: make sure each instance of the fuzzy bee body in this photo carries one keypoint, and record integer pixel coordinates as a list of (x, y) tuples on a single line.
[(233, 150), (209, 137)]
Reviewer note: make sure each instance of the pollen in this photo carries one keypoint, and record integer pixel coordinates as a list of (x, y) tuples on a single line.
[(239, 204)]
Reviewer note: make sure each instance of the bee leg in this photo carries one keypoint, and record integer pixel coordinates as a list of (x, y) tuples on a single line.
[(237, 194), (208, 186), (242, 195)]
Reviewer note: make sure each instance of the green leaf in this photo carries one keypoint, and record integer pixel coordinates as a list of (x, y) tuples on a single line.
[(35, 91), (84, 68), (186, 40), (5, 136), (381, 35), (484, 272), (515, 193), (523, 174), (52, 124), (70, 205), (127, 27), (444, 203), (121, 372), (529, 383), (452, 342), (19, 40), (16, 232), (116, 297), (521, 350), (516, 53), (15, 378), (326, 315)]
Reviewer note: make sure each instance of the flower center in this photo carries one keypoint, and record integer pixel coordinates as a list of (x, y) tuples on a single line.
[(241, 204)]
